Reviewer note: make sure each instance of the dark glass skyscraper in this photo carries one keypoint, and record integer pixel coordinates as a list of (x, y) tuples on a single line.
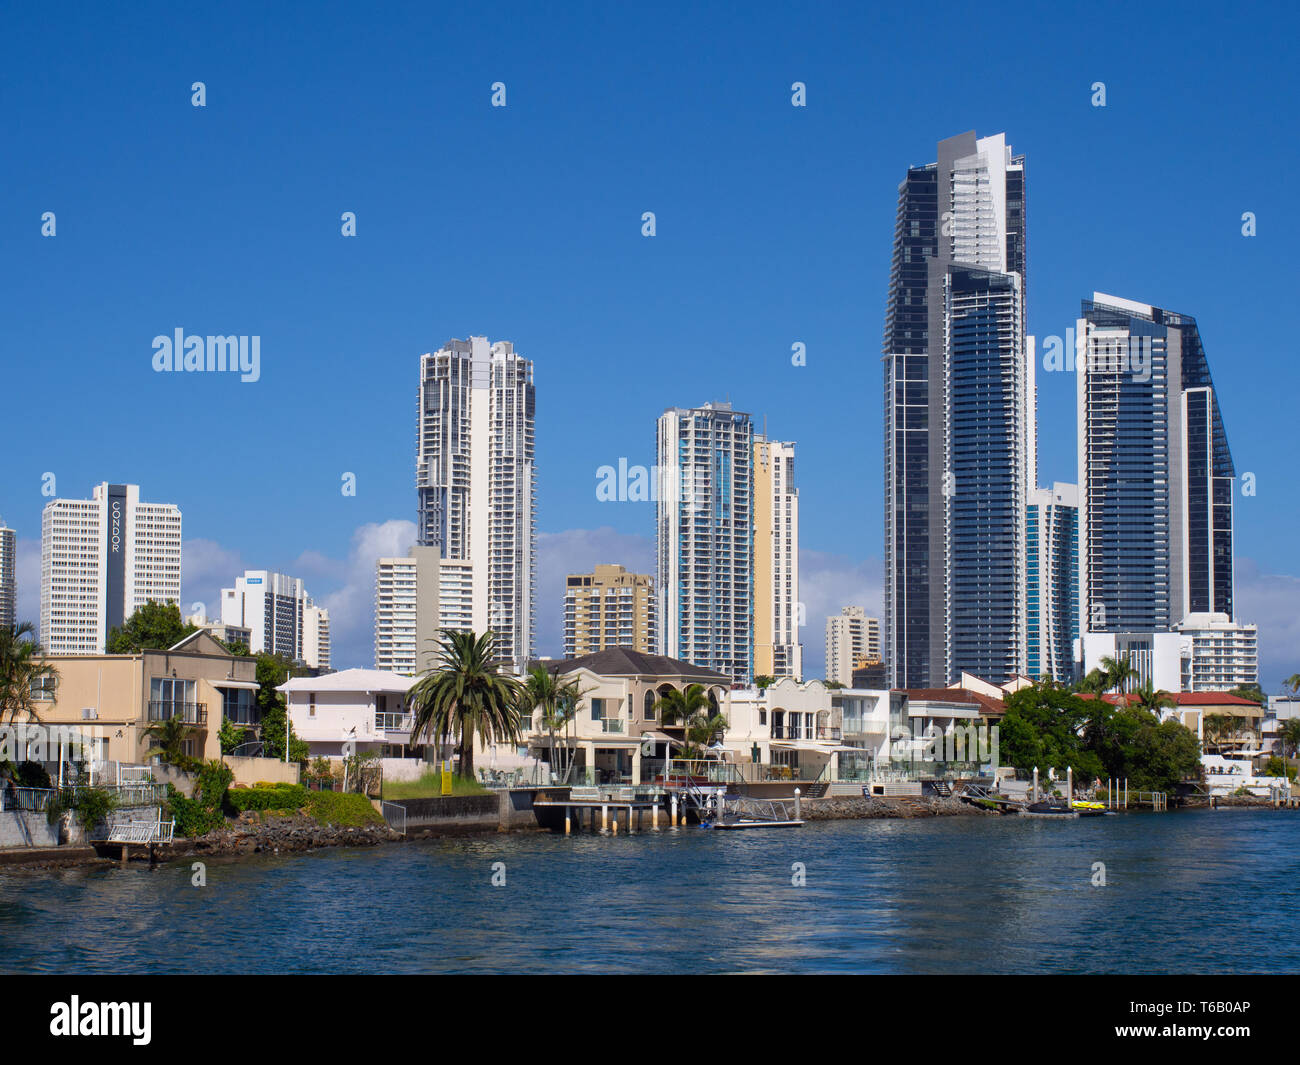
[(1156, 474), (960, 451)]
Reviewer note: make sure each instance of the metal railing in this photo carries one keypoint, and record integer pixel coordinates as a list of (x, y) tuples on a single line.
[(394, 816), (159, 831), (169, 709), (390, 722), (34, 800)]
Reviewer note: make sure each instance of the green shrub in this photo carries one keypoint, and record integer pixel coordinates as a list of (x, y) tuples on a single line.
[(204, 812), (275, 797), (345, 808), (31, 775)]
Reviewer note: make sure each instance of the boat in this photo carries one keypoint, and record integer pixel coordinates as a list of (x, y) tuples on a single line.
[(1087, 808), (1048, 810)]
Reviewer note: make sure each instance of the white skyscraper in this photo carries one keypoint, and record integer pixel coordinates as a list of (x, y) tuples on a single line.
[(101, 559), (8, 579), (704, 539), (278, 612), (407, 609), (476, 479), (778, 651)]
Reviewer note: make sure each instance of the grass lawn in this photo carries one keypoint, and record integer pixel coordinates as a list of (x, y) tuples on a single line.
[(429, 786)]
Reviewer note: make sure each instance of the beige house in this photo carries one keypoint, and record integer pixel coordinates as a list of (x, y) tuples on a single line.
[(616, 735), (109, 700)]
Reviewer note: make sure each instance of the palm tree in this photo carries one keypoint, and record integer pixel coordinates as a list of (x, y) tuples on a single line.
[(679, 706), (1118, 672), (1217, 729), (557, 702), (1290, 736), (1095, 683), (168, 739), (702, 729), (1149, 698), (23, 666), (466, 692)]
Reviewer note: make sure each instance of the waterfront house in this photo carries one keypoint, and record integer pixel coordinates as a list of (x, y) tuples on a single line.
[(356, 711), (941, 733), (110, 701), (616, 735)]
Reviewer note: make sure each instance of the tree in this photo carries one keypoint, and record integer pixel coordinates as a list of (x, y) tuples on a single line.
[(762, 682), (230, 735), (557, 702), (1253, 692), (154, 626), (678, 706), (832, 685), (168, 740), (1044, 726), (272, 671), (23, 667), (1118, 672), (466, 692), (1148, 698), (1290, 735), (1217, 729), (1095, 683)]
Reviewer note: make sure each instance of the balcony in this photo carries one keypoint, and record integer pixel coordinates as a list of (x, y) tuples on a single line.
[(611, 724), (385, 722), (189, 713)]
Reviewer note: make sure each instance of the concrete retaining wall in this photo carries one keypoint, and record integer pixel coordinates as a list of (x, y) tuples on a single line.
[(251, 770), (25, 828)]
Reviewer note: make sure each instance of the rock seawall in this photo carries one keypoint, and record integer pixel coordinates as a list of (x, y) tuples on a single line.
[(844, 808)]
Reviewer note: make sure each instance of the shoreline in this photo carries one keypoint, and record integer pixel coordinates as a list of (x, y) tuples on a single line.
[(299, 833)]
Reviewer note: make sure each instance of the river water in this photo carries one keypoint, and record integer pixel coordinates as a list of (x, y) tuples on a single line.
[(1199, 892)]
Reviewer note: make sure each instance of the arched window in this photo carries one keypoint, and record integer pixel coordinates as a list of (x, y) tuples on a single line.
[(650, 701)]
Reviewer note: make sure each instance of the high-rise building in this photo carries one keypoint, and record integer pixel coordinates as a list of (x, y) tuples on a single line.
[(280, 616), (778, 651), (609, 607), (407, 614), (1052, 581), (476, 481), (1217, 654), (704, 538), (1155, 473), (8, 577), (316, 636), (960, 445), (101, 559), (852, 640)]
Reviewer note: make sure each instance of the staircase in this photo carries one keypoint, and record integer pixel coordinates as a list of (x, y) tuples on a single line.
[(815, 790), (942, 787)]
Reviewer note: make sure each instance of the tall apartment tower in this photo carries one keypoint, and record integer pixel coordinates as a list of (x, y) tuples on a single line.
[(960, 445), (704, 538), (851, 638), (778, 651), (101, 559), (1052, 580), (1156, 483), (280, 616), (316, 636), (8, 577), (407, 615), (609, 607), (476, 479)]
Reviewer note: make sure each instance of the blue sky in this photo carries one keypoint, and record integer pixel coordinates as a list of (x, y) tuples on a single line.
[(524, 223)]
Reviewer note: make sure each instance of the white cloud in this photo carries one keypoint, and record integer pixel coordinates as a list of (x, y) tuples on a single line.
[(578, 551), (827, 583), (1271, 601)]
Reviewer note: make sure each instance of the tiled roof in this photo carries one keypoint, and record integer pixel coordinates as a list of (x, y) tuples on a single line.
[(625, 662)]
